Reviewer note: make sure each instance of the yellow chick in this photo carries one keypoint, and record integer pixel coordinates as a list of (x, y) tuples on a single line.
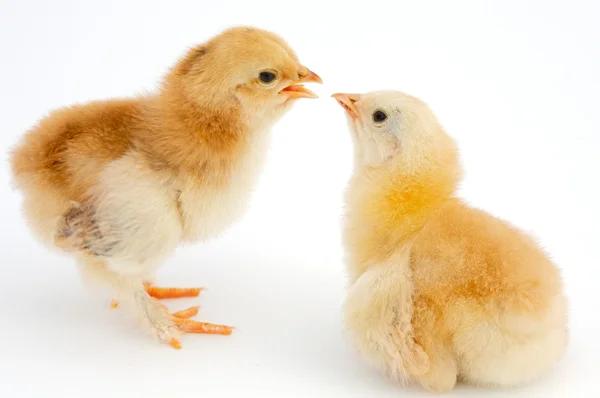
[(439, 291), (119, 184)]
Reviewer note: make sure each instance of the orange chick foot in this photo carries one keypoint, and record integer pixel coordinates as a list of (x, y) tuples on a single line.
[(169, 326)]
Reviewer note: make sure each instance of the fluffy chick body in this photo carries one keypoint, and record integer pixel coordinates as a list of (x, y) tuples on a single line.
[(439, 291), (121, 183), (94, 167)]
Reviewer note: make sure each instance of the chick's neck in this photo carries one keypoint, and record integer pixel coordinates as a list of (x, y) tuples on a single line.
[(387, 208), (204, 135)]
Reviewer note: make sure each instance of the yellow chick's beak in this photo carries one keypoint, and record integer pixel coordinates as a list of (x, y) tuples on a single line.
[(347, 102), (297, 90)]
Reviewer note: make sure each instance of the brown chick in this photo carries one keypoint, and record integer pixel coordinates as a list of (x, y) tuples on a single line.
[(121, 183), (439, 291)]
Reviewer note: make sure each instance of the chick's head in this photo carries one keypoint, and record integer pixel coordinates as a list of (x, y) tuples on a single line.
[(394, 128), (245, 66)]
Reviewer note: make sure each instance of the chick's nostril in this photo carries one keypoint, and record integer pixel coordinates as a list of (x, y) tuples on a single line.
[(353, 98), (302, 72)]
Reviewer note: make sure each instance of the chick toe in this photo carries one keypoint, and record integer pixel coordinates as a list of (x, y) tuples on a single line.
[(187, 313), (161, 293), (191, 326)]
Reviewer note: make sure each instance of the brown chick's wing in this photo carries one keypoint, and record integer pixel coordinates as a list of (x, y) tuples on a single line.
[(79, 230)]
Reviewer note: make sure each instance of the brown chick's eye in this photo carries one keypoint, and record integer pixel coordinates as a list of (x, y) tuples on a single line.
[(266, 77), (379, 116)]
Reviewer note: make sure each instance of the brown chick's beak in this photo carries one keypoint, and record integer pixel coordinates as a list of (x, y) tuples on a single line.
[(347, 102), (298, 90)]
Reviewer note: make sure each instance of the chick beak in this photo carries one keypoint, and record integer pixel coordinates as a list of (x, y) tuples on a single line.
[(347, 102), (297, 90)]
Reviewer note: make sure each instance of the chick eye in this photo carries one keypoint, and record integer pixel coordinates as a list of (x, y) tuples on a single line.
[(379, 116), (266, 77)]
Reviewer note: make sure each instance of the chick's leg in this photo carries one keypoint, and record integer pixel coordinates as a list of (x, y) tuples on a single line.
[(155, 316), (168, 326)]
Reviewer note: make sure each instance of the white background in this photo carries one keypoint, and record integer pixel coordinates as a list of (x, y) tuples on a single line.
[(515, 82)]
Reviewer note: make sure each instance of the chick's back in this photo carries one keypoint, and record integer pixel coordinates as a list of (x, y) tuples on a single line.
[(465, 256), (64, 153)]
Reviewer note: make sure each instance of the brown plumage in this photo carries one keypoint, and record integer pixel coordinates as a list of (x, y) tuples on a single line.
[(121, 183)]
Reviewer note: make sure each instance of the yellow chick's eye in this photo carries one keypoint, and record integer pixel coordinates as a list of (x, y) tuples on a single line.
[(266, 77)]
